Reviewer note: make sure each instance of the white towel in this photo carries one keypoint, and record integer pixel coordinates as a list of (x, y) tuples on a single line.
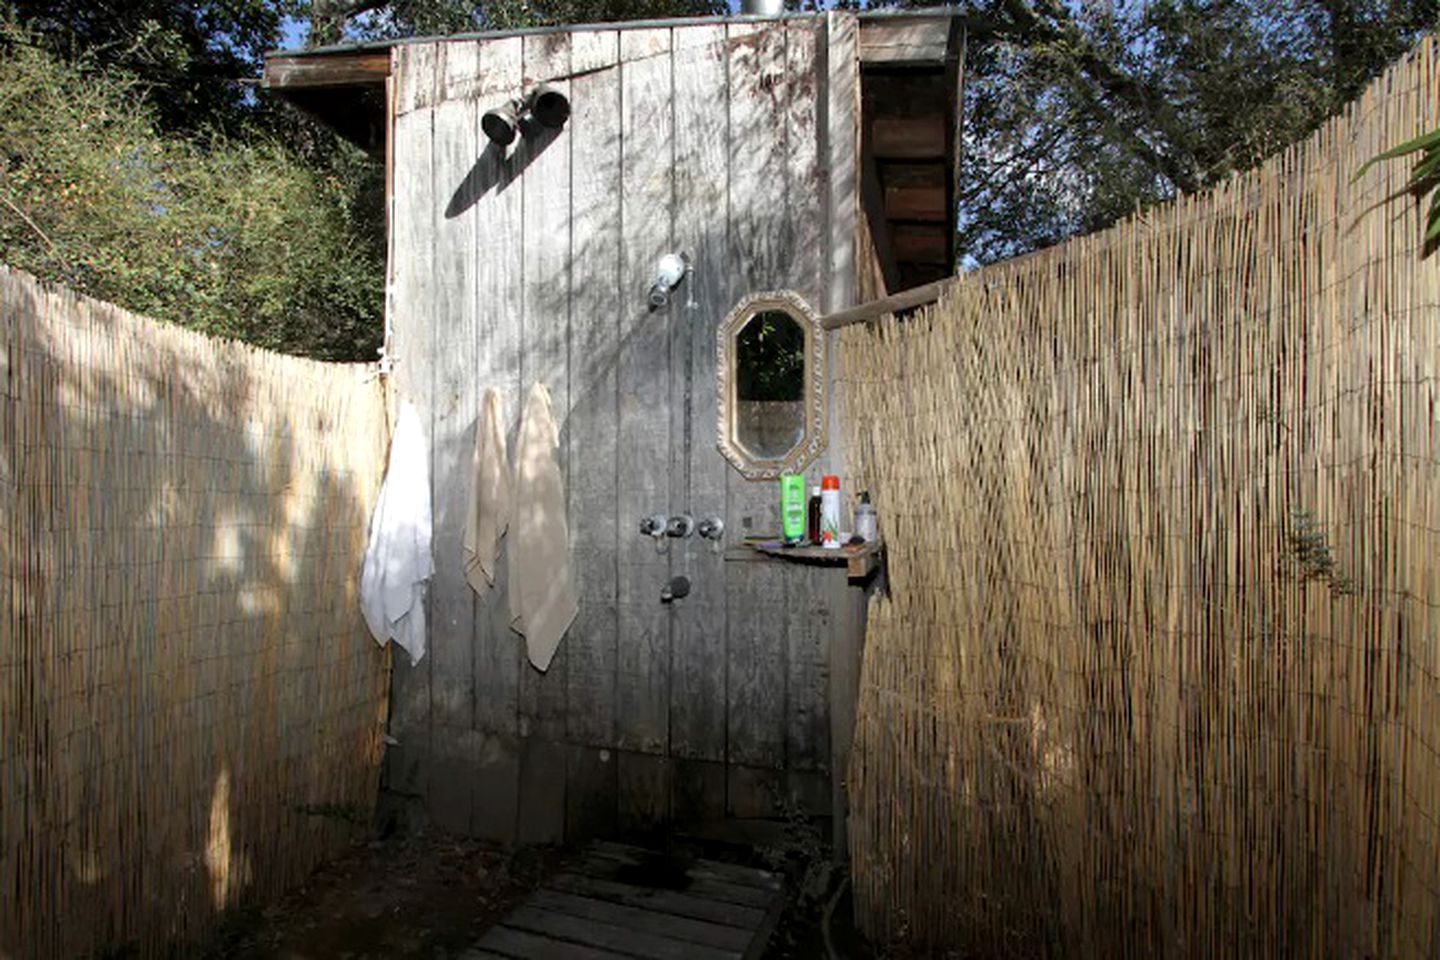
[(487, 512), (397, 558), (543, 602)]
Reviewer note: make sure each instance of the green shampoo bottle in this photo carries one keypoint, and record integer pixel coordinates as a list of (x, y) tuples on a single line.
[(792, 506)]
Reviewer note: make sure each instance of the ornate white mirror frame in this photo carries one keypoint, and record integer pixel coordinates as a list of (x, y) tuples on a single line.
[(812, 440)]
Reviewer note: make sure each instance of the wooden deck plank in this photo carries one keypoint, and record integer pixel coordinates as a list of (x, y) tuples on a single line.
[(730, 872), (756, 950), (509, 942), (642, 920), (607, 936), (678, 903), (603, 868), (607, 905)]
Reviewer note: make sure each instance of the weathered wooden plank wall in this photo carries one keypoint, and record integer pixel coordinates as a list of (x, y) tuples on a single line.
[(715, 139), (697, 678), (591, 432)]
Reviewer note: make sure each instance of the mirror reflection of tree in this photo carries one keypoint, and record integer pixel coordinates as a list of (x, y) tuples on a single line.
[(771, 358), (770, 383)]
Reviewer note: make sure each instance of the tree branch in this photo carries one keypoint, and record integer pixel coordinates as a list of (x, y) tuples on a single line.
[(328, 19), (1061, 31), (25, 217)]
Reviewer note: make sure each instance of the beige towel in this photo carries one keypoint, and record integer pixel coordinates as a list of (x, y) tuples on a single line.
[(487, 513), (542, 594)]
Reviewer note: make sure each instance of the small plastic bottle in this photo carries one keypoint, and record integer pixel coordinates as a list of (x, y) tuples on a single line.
[(867, 525), (830, 512), (812, 518), (792, 507)]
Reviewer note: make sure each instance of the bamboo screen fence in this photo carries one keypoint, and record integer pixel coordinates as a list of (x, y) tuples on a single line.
[(190, 707), (1159, 674)]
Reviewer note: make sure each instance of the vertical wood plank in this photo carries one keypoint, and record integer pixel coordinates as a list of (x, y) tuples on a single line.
[(698, 790), (545, 358), (849, 607), (592, 431), (697, 692), (842, 96), (590, 792), (841, 217), (808, 624), (453, 411), (540, 816), (545, 322), (643, 487), (412, 343), (755, 616), (492, 196), (758, 260), (804, 178), (760, 235), (758, 102), (809, 629), (841, 148), (643, 790)]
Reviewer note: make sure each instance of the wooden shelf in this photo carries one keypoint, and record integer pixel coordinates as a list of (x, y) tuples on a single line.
[(860, 560)]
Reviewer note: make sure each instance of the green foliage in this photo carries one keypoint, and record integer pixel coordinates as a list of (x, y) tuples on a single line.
[(1424, 177), (231, 236), (1309, 549), (770, 351), (801, 853), (193, 58), (1079, 114)]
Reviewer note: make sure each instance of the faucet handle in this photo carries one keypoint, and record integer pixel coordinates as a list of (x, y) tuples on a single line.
[(680, 525), (654, 525), (711, 528)]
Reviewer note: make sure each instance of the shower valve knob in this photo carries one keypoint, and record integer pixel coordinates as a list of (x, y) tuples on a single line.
[(711, 528), (681, 525), (654, 525), (677, 588)]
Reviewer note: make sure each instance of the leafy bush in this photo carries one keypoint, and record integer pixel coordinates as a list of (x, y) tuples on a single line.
[(237, 237), (1424, 178)]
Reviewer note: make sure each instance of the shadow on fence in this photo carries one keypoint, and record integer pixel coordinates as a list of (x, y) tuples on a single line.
[(190, 706)]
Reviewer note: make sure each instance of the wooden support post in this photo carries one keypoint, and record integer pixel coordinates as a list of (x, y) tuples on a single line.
[(875, 309)]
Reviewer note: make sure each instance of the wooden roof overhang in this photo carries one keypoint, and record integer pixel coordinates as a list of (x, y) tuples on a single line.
[(911, 69), (343, 87)]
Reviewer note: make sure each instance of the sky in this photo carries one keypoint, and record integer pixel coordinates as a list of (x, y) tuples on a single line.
[(292, 33)]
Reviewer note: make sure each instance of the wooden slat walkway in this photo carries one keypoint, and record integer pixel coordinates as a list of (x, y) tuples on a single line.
[(617, 901)]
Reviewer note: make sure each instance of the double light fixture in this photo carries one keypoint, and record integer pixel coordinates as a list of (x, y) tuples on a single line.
[(544, 106)]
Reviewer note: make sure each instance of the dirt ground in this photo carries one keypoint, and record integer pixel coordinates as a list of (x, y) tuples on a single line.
[(421, 896), (431, 896)]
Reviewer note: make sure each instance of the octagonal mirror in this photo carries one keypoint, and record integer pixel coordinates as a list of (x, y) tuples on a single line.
[(771, 373)]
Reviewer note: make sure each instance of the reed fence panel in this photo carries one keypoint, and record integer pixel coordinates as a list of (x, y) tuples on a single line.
[(1159, 669), (191, 710)]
